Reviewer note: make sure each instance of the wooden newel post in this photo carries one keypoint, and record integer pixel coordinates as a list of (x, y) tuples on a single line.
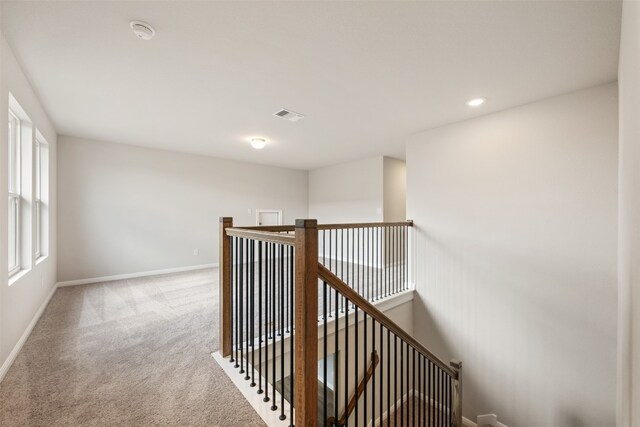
[(456, 405), (225, 287), (306, 323)]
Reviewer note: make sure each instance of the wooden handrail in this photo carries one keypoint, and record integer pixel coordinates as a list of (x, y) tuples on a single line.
[(264, 236), (341, 287), (271, 228), (364, 225), (352, 402), (290, 228)]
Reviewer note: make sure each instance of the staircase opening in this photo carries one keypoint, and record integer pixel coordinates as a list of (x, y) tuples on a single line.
[(300, 323)]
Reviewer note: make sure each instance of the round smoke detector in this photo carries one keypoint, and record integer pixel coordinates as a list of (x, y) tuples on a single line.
[(142, 30)]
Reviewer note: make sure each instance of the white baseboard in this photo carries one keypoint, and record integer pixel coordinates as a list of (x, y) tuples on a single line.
[(466, 422), (134, 275), (16, 349)]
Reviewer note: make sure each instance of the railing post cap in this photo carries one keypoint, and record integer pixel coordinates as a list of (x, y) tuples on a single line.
[(306, 223), (226, 219), (456, 364)]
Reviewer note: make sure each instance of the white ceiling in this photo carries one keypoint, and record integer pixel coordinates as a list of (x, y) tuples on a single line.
[(366, 74)]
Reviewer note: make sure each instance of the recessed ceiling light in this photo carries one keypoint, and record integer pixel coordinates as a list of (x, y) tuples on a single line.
[(142, 30), (476, 102), (258, 143)]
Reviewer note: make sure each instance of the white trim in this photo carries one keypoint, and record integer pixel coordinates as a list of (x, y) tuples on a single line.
[(16, 349), (263, 409), (466, 422), (134, 275)]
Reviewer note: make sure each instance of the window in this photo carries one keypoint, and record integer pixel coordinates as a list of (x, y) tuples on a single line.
[(41, 185), (15, 197)]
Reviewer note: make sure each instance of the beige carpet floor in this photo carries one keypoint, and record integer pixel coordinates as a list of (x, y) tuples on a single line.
[(126, 353)]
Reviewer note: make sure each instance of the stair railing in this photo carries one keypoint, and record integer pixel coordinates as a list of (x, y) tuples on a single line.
[(293, 298)]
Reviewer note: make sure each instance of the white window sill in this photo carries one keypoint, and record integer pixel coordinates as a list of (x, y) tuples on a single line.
[(17, 276), (41, 258)]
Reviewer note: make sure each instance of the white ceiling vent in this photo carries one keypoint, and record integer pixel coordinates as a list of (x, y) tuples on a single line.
[(292, 116)]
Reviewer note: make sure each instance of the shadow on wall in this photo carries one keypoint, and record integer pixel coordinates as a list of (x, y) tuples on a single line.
[(532, 344)]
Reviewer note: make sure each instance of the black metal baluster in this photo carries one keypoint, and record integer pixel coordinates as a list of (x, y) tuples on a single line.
[(448, 384), (401, 382), (287, 288), (267, 316), (395, 259), (291, 339), (253, 311), (342, 255), (336, 361), (392, 258), (374, 275), (392, 273), (345, 304), (408, 392), (381, 387), (364, 358), (274, 304), (324, 347), (241, 299), (385, 264), (353, 260), (247, 315), (430, 382), (355, 362), (404, 257), (330, 264), (395, 380), (413, 386), (420, 389), (278, 291), (282, 301), (234, 299), (237, 305), (439, 396), (384, 244), (368, 261), (425, 386), (389, 376), (396, 264), (375, 371), (376, 258), (260, 341)]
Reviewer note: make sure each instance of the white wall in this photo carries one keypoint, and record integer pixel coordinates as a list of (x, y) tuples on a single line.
[(126, 209), (395, 190), (516, 218), (629, 220), (20, 302), (348, 192), (367, 190)]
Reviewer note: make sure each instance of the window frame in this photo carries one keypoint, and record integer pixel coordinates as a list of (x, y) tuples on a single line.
[(37, 198), (15, 194)]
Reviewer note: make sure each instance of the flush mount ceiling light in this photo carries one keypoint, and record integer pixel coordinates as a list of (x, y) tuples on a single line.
[(258, 143), (142, 30), (476, 102)]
